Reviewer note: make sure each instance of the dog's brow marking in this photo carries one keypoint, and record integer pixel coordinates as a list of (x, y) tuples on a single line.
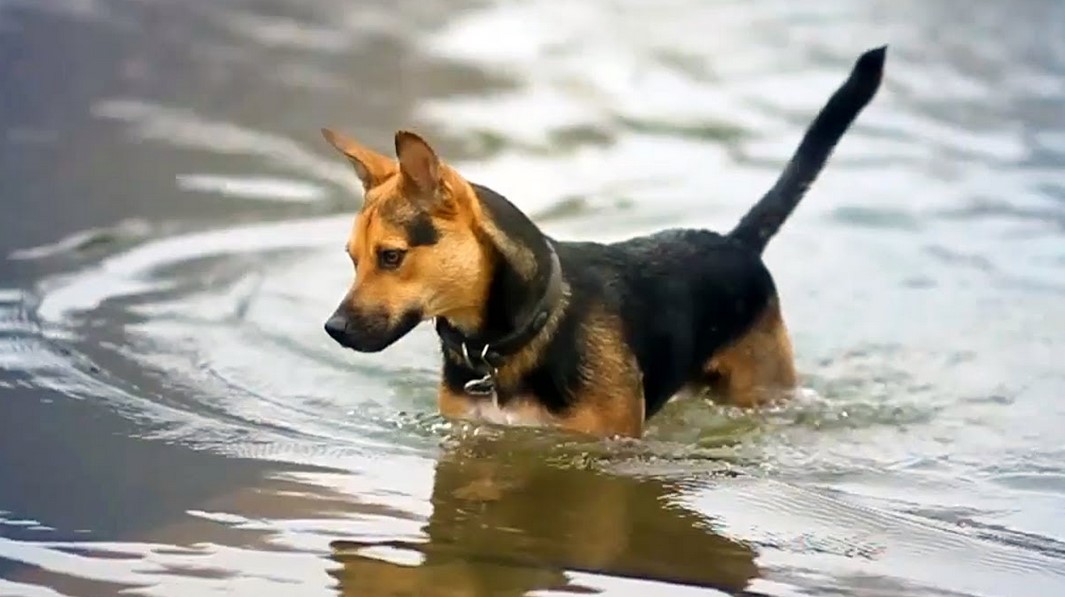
[(421, 231)]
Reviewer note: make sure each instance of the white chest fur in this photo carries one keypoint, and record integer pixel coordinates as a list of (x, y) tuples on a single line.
[(517, 411)]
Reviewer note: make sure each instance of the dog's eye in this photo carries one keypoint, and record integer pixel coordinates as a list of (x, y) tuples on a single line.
[(389, 258)]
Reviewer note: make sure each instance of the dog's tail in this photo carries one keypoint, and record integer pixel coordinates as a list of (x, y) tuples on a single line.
[(765, 218)]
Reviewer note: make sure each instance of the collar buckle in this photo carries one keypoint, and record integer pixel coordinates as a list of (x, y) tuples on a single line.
[(492, 354), (483, 386)]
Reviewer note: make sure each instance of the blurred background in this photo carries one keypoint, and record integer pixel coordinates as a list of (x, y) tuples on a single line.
[(173, 421)]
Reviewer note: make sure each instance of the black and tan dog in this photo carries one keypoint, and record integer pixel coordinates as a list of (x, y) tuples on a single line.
[(590, 337)]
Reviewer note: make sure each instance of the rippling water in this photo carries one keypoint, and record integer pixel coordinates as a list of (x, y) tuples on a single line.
[(175, 230)]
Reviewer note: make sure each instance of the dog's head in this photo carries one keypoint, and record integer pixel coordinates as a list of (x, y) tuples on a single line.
[(414, 245)]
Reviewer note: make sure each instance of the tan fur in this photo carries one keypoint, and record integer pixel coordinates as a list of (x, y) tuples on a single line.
[(448, 279), (758, 367), (372, 167), (520, 257), (519, 411), (610, 401)]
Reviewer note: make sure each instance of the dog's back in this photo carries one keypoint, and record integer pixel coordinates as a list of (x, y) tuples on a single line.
[(680, 295), (683, 295)]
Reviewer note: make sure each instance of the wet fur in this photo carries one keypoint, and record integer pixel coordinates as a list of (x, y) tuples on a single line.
[(640, 320)]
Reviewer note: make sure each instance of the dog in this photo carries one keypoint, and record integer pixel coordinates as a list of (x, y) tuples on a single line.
[(587, 337)]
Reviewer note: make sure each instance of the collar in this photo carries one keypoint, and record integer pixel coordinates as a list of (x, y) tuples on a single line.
[(486, 355)]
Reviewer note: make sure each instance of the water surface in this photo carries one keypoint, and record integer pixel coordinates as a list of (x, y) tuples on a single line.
[(173, 421)]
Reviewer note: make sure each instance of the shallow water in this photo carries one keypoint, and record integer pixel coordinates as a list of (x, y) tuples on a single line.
[(175, 422)]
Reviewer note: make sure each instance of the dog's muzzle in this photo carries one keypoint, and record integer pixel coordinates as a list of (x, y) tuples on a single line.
[(368, 332)]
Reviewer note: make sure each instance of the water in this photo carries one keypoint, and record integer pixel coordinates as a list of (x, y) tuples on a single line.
[(173, 421)]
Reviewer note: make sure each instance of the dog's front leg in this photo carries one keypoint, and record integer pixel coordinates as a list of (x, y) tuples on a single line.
[(607, 411)]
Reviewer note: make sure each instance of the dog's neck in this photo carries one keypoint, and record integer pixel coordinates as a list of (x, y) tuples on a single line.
[(524, 268), (526, 282)]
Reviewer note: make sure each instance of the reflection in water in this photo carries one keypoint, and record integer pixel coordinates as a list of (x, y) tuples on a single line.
[(506, 523)]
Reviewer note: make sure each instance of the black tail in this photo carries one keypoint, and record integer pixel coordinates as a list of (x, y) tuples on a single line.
[(765, 218)]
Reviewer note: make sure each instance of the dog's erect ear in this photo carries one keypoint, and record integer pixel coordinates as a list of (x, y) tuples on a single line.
[(372, 167), (418, 162)]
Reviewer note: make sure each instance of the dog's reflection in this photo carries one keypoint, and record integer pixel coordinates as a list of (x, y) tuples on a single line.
[(510, 522)]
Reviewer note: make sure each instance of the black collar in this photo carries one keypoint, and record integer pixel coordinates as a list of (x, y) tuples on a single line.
[(486, 355)]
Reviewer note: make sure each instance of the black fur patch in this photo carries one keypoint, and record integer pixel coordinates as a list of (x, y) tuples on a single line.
[(420, 231)]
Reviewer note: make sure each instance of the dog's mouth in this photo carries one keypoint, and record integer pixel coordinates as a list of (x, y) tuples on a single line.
[(372, 332)]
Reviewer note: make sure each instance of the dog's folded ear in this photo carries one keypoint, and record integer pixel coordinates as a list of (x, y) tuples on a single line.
[(418, 163), (372, 167)]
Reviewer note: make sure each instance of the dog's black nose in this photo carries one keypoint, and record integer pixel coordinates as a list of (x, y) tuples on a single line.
[(337, 328)]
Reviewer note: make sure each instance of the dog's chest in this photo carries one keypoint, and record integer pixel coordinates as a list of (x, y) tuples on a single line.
[(517, 410)]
